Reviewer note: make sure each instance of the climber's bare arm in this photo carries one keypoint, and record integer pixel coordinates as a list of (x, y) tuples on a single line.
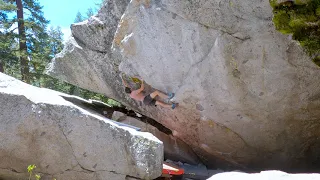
[(124, 82)]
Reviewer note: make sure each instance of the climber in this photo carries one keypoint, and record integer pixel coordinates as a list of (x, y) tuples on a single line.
[(150, 98)]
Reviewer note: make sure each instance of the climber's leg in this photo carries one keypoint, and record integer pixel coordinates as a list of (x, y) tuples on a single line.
[(159, 103), (172, 106), (160, 94)]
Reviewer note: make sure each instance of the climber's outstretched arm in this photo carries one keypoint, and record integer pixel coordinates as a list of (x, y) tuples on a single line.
[(124, 82)]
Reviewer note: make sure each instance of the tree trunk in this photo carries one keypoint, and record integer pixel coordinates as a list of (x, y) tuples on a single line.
[(22, 43), (1, 67)]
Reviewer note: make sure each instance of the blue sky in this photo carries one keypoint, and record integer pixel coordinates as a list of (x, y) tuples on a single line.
[(63, 12)]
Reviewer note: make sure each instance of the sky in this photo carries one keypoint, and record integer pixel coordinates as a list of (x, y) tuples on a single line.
[(63, 12)]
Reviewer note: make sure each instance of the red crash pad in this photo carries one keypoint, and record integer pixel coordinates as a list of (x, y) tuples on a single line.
[(170, 169)]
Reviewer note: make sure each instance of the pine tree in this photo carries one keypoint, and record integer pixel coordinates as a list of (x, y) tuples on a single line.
[(31, 38), (79, 18), (55, 45), (55, 40), (27, 48), (7, 35), (99, 4), (90, 12), (22, 43)]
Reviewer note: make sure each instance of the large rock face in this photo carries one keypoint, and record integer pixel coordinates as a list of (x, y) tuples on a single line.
[(249, 96), (174, 148), (89, 55), (67, 142)]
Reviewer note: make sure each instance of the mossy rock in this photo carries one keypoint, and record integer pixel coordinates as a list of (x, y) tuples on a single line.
[(317, 60), (301, 18), (288, 2)]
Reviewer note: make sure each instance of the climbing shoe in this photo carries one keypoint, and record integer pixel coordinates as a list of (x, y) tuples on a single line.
[(171, 95), (174, 105)]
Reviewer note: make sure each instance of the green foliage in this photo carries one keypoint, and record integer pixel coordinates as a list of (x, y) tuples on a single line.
[(5, 6), (318, 11), (317, 60), (92, 95), (90, 12), (37, 176), (35, 38), (31, 168), (8, 46), (113, 103), (42, 45), (302, 20), (79, 18), (273, 3), (99, 4), (67, 88)]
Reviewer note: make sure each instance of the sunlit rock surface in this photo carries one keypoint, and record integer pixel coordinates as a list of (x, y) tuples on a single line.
[(64, 141), (249, 96)]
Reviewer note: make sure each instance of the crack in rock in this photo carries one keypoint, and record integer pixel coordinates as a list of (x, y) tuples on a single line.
[(12, 170), (84, 45), (85, 170)]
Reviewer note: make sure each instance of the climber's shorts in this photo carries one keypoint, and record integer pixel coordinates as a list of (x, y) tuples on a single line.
[(149, 101)]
